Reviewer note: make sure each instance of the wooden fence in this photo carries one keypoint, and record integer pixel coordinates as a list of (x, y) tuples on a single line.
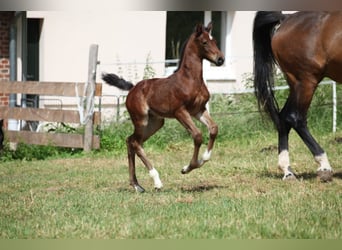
[(87, 141)]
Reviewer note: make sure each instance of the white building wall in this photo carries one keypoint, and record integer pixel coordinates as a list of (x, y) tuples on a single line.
[(122, 36), (242, 46), (126, 37), (238, 52)]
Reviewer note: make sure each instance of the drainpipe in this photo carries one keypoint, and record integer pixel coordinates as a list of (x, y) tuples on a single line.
[(24, 54), (13, 124)]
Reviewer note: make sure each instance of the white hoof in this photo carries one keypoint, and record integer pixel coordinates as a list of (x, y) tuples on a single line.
[(289, 177), (185, 169), (206, 155), (155, 176)]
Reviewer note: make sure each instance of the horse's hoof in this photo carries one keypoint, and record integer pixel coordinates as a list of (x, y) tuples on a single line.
[(139, 189), (185, 170), (325, 175), (289, 177), (159, 186)]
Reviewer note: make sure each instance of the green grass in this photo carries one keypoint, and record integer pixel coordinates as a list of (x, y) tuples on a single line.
[(239, 194)]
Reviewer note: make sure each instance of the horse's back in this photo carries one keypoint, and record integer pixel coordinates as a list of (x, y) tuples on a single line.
[(332, 45), (310, 42)]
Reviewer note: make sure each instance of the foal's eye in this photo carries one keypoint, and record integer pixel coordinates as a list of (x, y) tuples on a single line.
[(205, 42)]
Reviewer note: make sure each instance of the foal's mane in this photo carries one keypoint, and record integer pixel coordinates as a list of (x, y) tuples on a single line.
[(182, 49), (182, 53)]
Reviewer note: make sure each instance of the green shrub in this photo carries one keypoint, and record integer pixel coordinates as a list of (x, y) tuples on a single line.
[(236, 115)]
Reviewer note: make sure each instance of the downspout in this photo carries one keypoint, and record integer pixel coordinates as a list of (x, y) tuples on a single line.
[(24, 55), (13, 124)]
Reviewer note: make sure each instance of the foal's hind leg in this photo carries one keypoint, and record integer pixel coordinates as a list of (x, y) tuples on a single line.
[(131, 149), (141, 133)]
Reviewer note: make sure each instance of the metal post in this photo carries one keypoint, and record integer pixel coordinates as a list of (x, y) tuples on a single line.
[(334, 106)]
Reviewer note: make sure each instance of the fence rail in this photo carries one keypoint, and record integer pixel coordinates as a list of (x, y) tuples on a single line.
[(118, 104), (47, 115), (87, 140)]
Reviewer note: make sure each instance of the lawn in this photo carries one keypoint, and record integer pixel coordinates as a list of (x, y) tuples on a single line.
[(238, 194)]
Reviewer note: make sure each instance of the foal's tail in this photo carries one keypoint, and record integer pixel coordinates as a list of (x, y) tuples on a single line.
[(116, 81), (264, 26)]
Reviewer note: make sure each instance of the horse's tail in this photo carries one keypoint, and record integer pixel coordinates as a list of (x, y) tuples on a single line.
[(116, 81), (264, 26)]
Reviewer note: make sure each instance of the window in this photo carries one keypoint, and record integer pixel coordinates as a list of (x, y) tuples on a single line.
[(179, 26)]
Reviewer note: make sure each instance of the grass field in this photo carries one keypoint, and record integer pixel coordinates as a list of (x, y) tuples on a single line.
[(239, 194)]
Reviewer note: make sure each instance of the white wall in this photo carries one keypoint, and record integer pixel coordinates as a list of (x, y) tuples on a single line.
[(239, 54), (242, 46), (125, 37), (121, 36)]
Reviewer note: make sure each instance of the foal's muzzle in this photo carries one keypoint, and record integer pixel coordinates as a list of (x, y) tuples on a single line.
[(219, 61)]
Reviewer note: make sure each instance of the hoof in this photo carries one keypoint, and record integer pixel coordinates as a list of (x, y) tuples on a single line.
[(325, 175), (185, 170), (289, 177), (159, 186), (139, 189)]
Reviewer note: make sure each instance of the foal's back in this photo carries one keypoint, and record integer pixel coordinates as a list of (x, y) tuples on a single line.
[(164, 96)]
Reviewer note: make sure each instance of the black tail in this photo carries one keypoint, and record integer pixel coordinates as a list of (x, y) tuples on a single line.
[(264, 25), (116, 81)]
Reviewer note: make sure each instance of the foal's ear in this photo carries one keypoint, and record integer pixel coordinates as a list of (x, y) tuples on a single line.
[(199, 29), (209, 27)]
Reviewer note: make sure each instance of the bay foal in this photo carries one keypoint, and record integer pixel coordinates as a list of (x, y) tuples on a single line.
[(182, 95)]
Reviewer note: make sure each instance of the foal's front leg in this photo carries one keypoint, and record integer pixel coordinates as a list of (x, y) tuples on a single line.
[(185, 119), (206, 119)]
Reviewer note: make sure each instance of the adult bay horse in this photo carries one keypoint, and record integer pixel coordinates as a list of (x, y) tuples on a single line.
[(307, 48), (182, 95)]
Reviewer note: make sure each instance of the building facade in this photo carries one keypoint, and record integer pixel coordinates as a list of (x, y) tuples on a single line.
[(54, 46), (5, 21)]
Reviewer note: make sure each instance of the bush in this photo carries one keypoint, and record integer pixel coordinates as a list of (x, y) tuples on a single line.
[(236, 115)]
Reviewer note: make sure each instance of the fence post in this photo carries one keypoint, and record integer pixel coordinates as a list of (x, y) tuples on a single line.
[(334, 106), (88, 129)]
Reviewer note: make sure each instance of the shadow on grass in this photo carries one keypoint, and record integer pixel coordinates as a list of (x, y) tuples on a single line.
[(313, 175), (299, 176), (201, 188)]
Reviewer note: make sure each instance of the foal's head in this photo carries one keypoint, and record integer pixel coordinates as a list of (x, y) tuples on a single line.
[(207, 46)]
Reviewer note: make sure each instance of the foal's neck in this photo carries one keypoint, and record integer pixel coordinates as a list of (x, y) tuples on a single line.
[(191, 64)]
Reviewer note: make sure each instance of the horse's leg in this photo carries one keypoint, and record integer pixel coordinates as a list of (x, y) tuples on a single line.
[(183, 116), (143, 130), (295, 115), (283, 144), (131, 151), (153, 125), (213, 130)]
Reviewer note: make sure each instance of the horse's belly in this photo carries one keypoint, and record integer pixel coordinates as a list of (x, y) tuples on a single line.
[(334, 65)]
